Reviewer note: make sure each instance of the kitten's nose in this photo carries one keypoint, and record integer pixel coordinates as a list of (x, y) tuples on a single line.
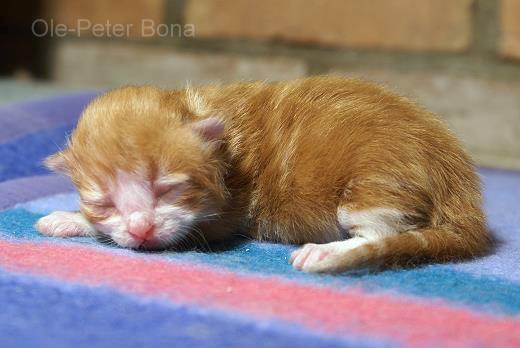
[(140, 225)]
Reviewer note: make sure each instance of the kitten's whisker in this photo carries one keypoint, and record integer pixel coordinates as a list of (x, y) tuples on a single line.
[(203, 242), (243, 236)]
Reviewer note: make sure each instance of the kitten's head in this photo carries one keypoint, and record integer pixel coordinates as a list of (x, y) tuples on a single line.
[(146, 165)]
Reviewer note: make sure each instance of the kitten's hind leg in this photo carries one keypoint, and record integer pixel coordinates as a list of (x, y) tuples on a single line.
[(365, 226), (65, 224)]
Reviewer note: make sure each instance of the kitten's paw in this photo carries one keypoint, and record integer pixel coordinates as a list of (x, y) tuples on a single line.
[(315, 257), (64, 224), (330, 257)]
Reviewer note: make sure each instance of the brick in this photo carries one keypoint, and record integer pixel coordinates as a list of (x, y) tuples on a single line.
[(416, 25), (99, 63), (99, 11), (489, 127), (510, 28)]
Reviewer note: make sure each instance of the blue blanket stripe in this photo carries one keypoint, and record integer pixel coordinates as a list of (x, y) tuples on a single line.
[(28, 117), (62, 315), (267, 259), (23, 156)]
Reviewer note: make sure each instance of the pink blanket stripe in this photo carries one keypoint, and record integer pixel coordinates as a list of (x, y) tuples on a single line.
[(339, 312)]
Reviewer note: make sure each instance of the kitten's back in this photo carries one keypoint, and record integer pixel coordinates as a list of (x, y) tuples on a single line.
[(316, 145)]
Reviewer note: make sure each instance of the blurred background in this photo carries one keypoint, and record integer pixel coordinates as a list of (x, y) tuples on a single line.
[(459, 58)]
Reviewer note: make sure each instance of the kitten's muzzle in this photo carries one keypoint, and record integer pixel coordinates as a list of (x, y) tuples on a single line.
[(140, 226)]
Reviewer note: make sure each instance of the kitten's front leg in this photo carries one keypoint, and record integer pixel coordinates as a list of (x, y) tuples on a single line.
[(65, 224)]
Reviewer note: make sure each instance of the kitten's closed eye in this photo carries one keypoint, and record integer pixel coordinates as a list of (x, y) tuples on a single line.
[(96, 203), (99, 208), (102, 204), (170, 185)]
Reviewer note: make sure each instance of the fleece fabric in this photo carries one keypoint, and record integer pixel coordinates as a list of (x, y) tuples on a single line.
[(79, 292)]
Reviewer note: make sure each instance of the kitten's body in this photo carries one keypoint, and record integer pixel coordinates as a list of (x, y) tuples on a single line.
[(316, 160)]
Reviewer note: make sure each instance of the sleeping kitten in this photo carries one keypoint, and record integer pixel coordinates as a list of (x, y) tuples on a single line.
[(362, 176)]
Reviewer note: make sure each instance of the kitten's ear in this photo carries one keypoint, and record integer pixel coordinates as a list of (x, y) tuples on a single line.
[(57, 163), (210, 129)]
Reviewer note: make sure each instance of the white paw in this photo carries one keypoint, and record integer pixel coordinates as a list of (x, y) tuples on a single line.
[(314, 257), (64, 224), (330, 257)]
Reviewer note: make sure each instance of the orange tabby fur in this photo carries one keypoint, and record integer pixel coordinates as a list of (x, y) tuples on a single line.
[(292, 154)]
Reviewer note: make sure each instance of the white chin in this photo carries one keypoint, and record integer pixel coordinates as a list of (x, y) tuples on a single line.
[(129, 244), (126, 242)]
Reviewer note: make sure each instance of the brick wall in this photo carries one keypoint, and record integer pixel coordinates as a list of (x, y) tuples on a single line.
[(510, 28), (403, 25), (100, 11), (461, 58), (415, 25)]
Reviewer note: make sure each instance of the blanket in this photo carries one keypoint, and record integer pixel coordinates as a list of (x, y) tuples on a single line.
[(82, 293)]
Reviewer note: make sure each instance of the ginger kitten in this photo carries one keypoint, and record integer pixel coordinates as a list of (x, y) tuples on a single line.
[(360, 176)]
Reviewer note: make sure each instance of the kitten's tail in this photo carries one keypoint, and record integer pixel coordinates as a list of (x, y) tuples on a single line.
[(439, 244)]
